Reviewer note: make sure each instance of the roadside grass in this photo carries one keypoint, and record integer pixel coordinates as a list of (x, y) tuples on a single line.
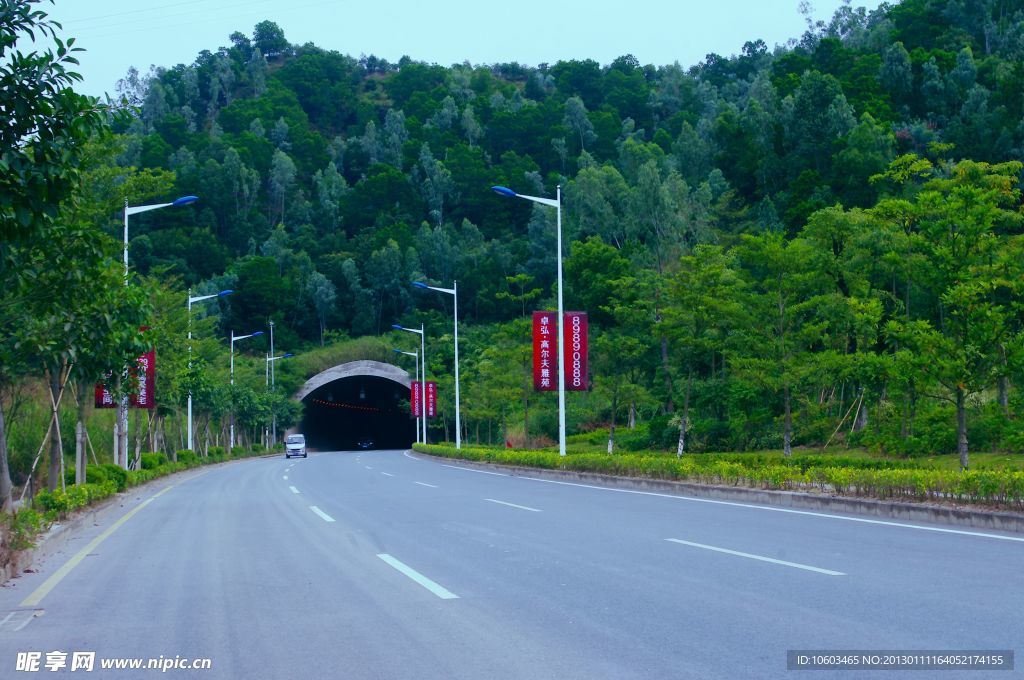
[(868, 476)]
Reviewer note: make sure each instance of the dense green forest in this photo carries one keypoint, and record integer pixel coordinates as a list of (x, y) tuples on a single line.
[(815, 243)]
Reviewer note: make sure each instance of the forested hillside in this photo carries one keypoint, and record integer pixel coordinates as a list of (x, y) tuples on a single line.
[(779, 247)]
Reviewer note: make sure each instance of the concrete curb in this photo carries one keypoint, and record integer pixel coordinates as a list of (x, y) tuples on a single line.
[(973, 518)]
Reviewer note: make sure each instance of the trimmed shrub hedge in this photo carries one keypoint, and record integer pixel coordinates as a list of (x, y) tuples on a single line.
[(848, 477)]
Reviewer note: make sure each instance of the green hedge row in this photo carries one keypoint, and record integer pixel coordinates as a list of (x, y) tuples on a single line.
[(983, 487)]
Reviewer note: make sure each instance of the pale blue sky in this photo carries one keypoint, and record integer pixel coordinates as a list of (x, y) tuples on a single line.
[(122, 33)]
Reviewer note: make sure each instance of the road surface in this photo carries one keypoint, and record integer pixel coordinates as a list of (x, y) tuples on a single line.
[(379, 564)]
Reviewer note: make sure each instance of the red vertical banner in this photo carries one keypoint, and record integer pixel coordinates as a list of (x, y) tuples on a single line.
[(102, 398), (576, 347), (431, 399), (545, 351), (416, 399), (145, 372)]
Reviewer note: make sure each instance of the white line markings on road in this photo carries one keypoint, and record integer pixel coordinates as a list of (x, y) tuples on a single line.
[(387, 474), (368, 467), (795, 565), (285, 478), (294, 490), (406, 454), (750, 506), (512, 505), (425, 484), (419, 578), (323, 515), (483, 472)]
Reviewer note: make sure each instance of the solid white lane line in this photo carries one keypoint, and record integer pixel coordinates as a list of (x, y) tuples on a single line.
[(7, 618), (432, 586), (512, 505), (425, 484), (795, 565), (24, 623), (368, 467), (294, 490), (387, 474), (483, 472), (406, 454), (323, 515), (766, 508)]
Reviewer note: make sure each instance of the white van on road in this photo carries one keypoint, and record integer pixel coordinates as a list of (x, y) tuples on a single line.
[(295, 445)]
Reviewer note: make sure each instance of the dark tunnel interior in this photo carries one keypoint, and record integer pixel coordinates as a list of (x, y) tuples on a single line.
[(359, 412)]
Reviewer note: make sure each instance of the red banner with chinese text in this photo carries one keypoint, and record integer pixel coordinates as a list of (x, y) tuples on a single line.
[(102, 397), (145, 374), (576, 347), (545, 351), (415, 399), (431, 399)]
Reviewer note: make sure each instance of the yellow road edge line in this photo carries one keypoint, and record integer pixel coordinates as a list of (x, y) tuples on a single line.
[(49, 584)]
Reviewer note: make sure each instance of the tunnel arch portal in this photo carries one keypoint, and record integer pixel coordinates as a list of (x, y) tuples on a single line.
[(359, 404)]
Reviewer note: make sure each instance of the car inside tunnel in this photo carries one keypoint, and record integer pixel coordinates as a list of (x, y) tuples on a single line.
[(358, 412)]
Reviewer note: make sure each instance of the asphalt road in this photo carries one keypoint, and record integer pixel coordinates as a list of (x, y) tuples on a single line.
[(380, 565)]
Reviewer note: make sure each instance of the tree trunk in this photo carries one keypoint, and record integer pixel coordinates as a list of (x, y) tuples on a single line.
[(681, 447), (81, 459), (611, 429), (6, 487), (632, 415), (861, 420), (961, 427), (56, 444), (669, 404), (787, 427)]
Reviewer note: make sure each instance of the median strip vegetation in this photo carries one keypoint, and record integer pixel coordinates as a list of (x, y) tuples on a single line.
[(865, 478)]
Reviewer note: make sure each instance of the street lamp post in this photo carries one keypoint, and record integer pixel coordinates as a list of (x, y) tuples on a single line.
[(234, 339), (270, 383), (557, 205), (416, 357), (121, 427), (454, 292), (423, 362), (191, 300)]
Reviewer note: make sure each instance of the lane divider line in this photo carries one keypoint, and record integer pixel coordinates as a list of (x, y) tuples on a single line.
[(512, 505), (425, 484), (795, 565), (387, 474), (419, 578), (323, 515), (49, 584), (294, 490), (483, 472), (790, 511)]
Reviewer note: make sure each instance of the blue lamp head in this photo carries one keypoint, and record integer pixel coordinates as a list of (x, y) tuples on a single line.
[(257, 333), (397, 351), (504, 191), (397, 327), (288, 355), (420, 284), (225, 292), (185, 200)]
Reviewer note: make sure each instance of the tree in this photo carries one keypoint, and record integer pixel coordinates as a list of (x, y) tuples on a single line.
[(322, 295), (705, 305), (41, 146), (973, 274), (269, 39)]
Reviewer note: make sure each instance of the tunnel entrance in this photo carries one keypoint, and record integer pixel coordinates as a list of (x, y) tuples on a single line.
[(359, 405)]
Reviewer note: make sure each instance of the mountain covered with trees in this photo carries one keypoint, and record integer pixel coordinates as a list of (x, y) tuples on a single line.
[(781, 247)]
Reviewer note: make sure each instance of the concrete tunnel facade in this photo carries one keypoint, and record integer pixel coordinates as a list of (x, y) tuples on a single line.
[(360, 404)]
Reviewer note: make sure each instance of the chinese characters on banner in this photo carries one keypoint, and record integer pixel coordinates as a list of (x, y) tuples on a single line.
[(145, 374), (431, 394), (416, 399), (545, 351), (102, 396)]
